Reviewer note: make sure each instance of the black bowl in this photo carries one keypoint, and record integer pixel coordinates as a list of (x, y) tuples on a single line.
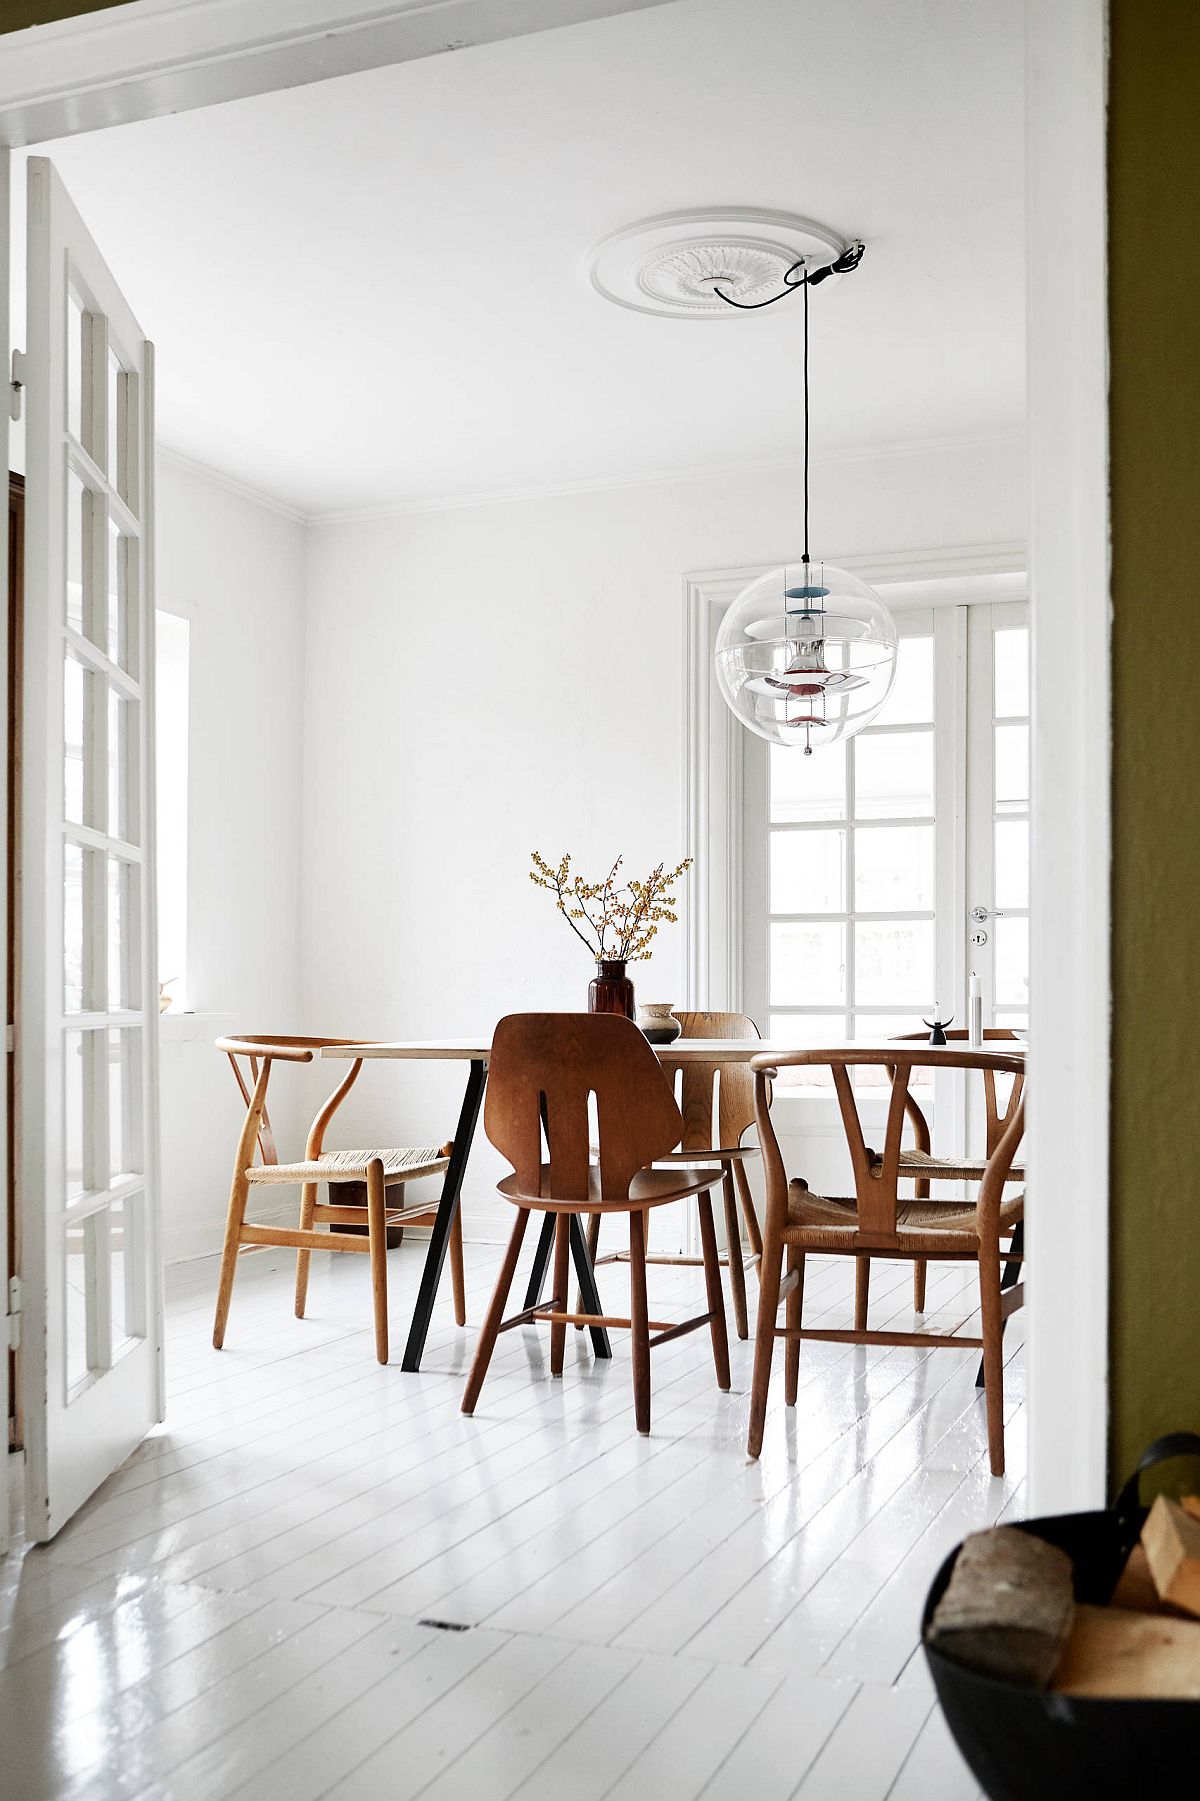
[(1026, 1744)]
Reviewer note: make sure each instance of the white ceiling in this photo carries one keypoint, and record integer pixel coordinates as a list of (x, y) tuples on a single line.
[(372, 290)]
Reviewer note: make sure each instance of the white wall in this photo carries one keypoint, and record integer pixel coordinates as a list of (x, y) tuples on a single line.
[(235, 567), (484, 680)]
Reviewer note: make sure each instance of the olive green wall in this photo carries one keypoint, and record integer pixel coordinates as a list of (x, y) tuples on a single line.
[(1154, 325), (15, 15)]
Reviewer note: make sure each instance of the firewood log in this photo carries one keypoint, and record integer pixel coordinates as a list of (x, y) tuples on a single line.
[(1007, 1608)]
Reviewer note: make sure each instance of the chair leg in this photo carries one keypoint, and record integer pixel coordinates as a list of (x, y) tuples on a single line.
[(593, 1247), (716, 1294), (639, 1320), (862, 1292), (458, 1277), (920, 1268), (377, 1242), (1011, 1276), (561, 1301), (792, 1317), (493, 1319), (238, 1196), (733, 1242), (770, 1270), (308, 1200), (993, 1351), (753, 1231)]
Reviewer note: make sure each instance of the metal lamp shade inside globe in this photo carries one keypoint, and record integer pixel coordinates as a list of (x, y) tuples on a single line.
[(806, 655)]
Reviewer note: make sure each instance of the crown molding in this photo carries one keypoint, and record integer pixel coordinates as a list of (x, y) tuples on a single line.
[(176, 459), (401, 509), (866, 453)]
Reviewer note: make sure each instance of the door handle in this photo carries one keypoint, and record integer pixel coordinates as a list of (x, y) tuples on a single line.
[(979, 914)]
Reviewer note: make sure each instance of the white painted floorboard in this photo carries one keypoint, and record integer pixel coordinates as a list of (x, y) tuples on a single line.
[(243, 1612)]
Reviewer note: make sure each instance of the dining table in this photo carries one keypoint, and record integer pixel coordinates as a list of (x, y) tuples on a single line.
[(475, 1053)]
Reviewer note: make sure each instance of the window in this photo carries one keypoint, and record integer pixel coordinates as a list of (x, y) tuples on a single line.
[(171, 742)]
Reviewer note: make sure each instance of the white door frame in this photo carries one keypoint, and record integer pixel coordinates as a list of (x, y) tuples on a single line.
[(139, 60), (1067, 361)]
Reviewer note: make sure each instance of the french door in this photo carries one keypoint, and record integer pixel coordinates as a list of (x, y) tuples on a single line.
[(87, 1049), (881, 873)]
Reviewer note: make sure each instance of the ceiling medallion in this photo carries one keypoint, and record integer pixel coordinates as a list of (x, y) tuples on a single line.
[(673, 264)]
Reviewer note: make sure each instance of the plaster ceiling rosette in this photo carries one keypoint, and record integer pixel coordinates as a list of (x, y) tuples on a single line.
[(674, 263)]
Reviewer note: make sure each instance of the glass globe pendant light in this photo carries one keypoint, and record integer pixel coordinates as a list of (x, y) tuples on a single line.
[(806, 654)]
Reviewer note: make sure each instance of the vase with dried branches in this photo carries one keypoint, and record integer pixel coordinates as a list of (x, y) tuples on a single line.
[(617, 919)]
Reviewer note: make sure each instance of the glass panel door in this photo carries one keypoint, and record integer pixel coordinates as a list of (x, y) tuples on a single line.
[(849, 945), (89, 1045), (998, 810)]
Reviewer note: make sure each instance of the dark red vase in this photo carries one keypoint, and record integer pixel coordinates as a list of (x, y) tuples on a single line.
[(610, 990)]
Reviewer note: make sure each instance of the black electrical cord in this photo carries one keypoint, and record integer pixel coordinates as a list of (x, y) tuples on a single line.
[(849, 259), (794, 278), (806, 429)]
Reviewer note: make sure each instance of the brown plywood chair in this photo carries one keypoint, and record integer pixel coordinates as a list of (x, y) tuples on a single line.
[(382, 1173), (544, 1067), (717, 1103), (877, 1222)]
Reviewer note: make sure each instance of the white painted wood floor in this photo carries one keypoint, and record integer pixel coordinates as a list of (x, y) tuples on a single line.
[(242, 1610)]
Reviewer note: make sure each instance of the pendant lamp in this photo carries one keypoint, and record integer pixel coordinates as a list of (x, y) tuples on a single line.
[(806, 655)]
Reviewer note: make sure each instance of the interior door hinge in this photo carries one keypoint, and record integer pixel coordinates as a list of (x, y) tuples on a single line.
[(14, 1313), (17, 384)]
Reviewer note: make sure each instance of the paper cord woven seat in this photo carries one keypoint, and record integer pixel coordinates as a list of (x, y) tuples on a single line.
[(351, 1166)]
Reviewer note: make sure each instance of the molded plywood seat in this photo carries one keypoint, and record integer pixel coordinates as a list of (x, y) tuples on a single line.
[(382, 1173), (546, 1068)]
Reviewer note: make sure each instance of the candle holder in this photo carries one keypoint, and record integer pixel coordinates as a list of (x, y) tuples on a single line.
[(937, 1029)]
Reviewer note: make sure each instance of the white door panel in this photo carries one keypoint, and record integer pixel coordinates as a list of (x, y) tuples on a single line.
[(89, 1045)]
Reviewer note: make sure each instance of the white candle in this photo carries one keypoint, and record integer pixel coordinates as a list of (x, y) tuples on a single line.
[(976, 986)]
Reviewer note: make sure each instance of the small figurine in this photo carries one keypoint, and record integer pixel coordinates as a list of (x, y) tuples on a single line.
[(937, 1029)]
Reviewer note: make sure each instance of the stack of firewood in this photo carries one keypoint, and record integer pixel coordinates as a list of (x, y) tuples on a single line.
[(1009, 1611)]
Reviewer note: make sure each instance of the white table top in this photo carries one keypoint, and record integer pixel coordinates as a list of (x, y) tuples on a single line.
[(684, 1050)]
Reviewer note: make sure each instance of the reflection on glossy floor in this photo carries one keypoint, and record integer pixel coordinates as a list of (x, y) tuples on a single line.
[(244, 1610)]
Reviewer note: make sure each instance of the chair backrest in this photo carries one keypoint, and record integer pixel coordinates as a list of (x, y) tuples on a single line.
[(716, 1099), (260, 1051), (998, 1118), (877, 1174), (542, 1070)]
